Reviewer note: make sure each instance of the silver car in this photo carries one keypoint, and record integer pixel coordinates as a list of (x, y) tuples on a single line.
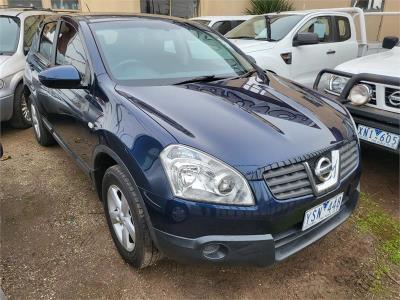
[(17, 28)]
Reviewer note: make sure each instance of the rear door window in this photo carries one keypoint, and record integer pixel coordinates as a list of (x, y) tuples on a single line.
[(343, 28), (30, 26), (47, 40)]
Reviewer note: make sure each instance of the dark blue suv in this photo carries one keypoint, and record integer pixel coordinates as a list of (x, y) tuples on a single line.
[(195, 152)]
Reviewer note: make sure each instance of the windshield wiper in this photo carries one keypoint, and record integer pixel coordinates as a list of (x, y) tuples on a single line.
[(206, 78), (265, 39), (241, 37)]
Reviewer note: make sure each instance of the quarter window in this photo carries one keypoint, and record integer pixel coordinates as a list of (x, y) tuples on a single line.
[(343, 28), (47, 40), (322, 26), (70, 49)]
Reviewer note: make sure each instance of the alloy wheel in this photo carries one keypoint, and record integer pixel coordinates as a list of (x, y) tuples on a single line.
[(121, 218), (35, 121), (25, 110)]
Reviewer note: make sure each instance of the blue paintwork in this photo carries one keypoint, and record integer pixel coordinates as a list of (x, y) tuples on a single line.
[(249, 123), (60, 77)]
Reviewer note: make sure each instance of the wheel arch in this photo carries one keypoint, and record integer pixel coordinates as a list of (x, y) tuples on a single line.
[(103, 158)]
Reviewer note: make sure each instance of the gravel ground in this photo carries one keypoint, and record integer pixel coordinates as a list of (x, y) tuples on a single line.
[(55, 241)]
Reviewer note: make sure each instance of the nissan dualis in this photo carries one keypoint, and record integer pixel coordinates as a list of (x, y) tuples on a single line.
[(195, 152)]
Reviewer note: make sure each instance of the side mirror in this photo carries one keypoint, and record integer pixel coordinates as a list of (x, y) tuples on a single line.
[(305, 38), (389, 42), (26, 50), (61, 77)]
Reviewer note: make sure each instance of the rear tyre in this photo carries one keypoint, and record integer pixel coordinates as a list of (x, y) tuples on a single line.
[(42, 134), (126, 219), (21, 115)]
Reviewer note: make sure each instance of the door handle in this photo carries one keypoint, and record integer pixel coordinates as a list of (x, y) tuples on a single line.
[(331, 52)]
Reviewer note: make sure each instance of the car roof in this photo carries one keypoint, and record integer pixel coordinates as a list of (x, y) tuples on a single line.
[(111, 17), (223, 18), (309, 12)]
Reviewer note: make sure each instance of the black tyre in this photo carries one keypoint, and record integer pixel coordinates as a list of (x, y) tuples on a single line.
[(43, 136), (21, 115), (126, 219)]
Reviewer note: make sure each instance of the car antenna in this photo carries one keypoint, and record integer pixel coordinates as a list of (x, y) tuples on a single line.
[(87, 6)]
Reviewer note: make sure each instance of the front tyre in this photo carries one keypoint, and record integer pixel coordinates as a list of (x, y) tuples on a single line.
[(42, 134), (126, 220), (21, 115)]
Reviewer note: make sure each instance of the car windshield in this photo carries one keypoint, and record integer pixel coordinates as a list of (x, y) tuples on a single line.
[(9, 35), (256, 28), (162, 52)]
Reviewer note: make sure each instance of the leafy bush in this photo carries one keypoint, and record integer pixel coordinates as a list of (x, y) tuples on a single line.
[(259, 7)]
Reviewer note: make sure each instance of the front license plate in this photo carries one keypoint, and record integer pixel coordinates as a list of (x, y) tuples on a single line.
[(377, 136), (321, 212)]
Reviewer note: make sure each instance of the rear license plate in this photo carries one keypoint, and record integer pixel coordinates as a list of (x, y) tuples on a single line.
[(377, 136), (320, 212)]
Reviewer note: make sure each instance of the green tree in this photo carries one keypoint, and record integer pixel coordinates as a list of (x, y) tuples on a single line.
[(259, 7)]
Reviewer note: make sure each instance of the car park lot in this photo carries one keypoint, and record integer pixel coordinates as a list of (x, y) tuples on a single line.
[(55, 242)]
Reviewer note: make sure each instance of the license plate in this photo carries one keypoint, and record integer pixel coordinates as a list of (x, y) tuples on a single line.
[(320, 212), (377, 136)]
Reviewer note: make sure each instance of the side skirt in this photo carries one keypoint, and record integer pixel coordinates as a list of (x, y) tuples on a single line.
[(75, 157)]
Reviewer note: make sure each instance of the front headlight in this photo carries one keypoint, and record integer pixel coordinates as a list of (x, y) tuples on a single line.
[(337, 84), (360, 94), (195, 175)]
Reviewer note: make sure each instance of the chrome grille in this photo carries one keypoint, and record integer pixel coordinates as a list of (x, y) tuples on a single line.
[(288, 182), (292, 181), (373, 94), (395, 103), (348, 158)]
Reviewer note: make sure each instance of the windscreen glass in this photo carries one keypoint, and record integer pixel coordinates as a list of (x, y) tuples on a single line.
[(9, 35), (153, 51), (256, 28)]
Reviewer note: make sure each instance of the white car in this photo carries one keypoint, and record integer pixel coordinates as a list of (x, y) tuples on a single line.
[(17, 28), (222, 24), (371, 87), (298, 44)]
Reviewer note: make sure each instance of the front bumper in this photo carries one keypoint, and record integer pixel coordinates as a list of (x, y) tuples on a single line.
[(259, 249), (6, 107), (373, 117), (376, 118)]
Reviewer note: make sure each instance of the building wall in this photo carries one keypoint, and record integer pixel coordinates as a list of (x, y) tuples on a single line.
[(128, 6), (223, 7)]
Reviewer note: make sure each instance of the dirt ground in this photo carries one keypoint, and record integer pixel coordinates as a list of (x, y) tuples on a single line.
[(55, 242)]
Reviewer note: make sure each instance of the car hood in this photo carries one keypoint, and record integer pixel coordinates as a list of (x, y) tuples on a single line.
[(4, 58), (249, 46), (246, 123), (384, 63)]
